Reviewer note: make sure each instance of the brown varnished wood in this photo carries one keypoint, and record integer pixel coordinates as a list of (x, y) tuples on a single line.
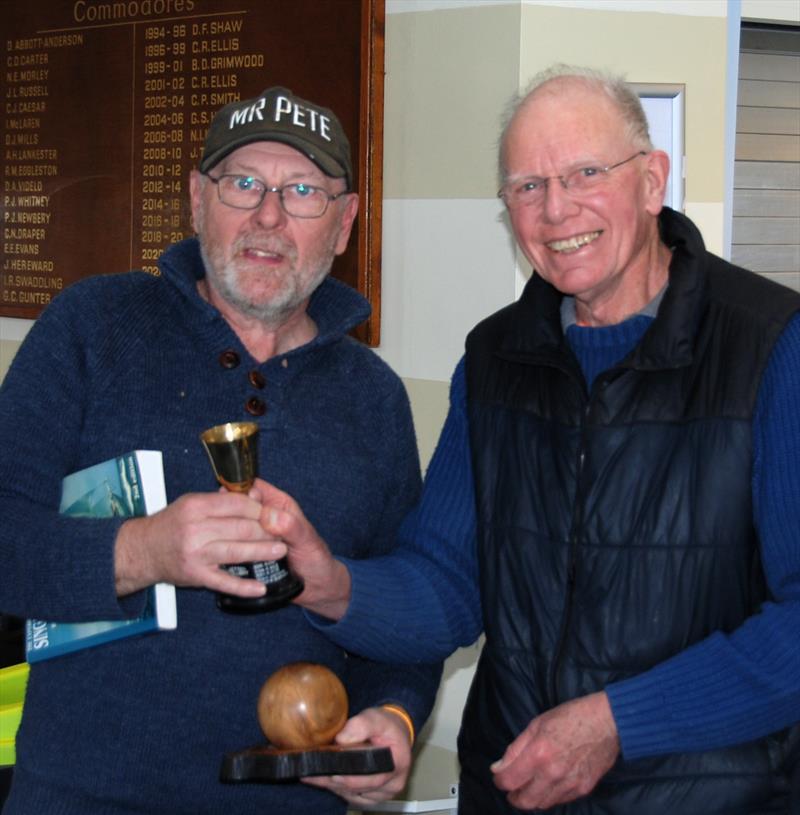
[(302, 705)]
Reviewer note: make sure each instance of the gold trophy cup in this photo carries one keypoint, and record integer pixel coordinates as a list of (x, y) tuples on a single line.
[(233, 451)]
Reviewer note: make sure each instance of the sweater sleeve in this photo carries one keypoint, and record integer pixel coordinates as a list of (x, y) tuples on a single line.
[(732, 688), (422, 602), (53, 567), (370, 683)]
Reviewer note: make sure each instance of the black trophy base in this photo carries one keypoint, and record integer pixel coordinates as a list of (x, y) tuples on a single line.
[(273, 764), (278, 594)]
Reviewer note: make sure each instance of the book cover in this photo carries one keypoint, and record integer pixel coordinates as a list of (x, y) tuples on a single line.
[(127, 485)]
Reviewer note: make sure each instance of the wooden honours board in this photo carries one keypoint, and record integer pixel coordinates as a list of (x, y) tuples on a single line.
[(105, 108)]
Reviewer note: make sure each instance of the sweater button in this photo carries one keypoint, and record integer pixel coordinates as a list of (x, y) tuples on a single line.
[(229, 359), (255, 406), (257, 379)]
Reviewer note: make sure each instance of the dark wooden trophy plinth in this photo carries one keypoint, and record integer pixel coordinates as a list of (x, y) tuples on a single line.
[(274, 764), (301, 708)]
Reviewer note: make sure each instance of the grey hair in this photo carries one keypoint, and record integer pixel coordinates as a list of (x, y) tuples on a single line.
[(614, 86)]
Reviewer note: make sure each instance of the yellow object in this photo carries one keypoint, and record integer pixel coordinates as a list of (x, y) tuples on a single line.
[(398, 711), (13, 681)]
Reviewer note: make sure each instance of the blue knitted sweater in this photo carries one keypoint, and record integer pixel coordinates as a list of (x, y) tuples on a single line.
[(131, 361), (725, 690)]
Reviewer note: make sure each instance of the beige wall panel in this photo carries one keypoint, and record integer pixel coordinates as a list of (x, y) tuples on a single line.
[(758, 147), (768, 120), (765, 230), (783, 67), (12, 332), (709, 219), (768, 203), (771, 11), (766, 258), (8, 348), (450, 73), (433, 773), (448, 76), (429, 403), (790, 279), (447, 264), (688, 50), (761, 93), (763, 175)]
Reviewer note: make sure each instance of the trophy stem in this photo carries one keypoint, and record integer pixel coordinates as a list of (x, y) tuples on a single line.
[(233, 451)]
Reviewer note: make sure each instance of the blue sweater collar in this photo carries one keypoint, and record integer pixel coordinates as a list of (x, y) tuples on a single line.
[(335, 307)]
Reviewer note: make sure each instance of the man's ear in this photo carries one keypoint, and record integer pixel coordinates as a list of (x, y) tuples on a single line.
[(346, 225), (195, 196), (657, 173)]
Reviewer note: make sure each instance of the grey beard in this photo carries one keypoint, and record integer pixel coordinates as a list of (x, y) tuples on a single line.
[(276, 310)]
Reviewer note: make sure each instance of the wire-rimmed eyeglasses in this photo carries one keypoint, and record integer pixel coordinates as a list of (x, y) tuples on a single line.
[(298, 200), (531, 190)]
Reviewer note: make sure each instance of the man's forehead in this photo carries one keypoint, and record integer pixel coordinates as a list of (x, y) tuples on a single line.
[(568, 96), (274, 152), (565, 116)]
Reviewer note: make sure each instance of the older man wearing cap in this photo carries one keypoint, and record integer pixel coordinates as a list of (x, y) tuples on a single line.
[(242, 324)]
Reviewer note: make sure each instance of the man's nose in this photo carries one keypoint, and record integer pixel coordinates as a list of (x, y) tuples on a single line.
[(558, 203), (270, 212)]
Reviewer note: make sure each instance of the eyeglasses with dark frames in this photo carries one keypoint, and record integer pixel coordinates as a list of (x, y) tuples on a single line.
[(298, 200)]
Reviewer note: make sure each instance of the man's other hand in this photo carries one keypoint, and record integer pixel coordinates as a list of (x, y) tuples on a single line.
[(327, 581), (561, 755)]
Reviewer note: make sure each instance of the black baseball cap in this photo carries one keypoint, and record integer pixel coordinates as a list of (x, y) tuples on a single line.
[(278, 115)]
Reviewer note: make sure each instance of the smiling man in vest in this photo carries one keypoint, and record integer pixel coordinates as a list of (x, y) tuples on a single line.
[(614, 500)]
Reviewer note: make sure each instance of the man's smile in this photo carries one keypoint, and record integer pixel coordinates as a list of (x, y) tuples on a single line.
[(574, 243)]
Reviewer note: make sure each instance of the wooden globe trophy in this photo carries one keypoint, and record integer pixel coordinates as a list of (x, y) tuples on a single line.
[(233, 451), (301, 708)]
